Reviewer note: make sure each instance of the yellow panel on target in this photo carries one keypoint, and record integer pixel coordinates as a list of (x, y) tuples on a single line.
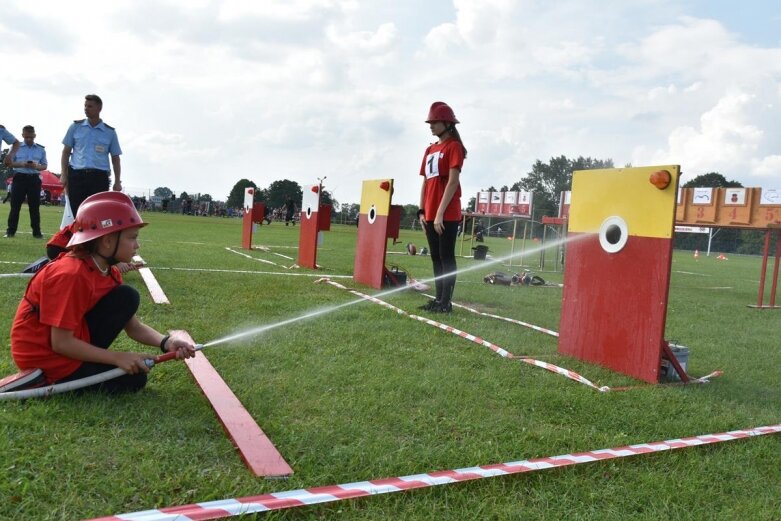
[(627, 192)]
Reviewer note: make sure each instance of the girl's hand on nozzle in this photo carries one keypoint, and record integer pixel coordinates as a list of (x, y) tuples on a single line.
[(183, 348), (132, 363)]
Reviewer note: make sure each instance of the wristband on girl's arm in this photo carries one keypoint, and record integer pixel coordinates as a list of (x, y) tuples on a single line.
[(162, 343)]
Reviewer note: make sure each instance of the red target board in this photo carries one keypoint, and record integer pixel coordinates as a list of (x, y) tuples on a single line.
[(617, 275)]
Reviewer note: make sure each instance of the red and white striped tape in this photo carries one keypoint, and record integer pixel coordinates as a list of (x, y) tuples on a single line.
[(567, 373), (252, 272), (253, 258), (224, 508), (511, 320), (495, 348)]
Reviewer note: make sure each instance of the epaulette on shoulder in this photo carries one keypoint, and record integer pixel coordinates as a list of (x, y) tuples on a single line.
[(108, 126), (2, 126), (40, 145), (79, 121)]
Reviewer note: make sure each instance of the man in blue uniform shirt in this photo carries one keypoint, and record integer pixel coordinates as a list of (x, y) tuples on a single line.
[(9, 140), (88, 144), (30, 159)]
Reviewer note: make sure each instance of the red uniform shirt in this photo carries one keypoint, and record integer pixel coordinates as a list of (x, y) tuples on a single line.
[(60, 295), (437, 162), (62, 237)]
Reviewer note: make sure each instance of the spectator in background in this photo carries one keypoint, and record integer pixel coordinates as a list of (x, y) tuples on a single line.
[(290, 208), (87, 145), (9, 140), (30, 159)]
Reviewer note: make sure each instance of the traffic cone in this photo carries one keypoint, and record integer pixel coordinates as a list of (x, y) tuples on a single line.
[(696, 254)]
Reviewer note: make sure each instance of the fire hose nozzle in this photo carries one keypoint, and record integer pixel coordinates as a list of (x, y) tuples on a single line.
[(168, 356)]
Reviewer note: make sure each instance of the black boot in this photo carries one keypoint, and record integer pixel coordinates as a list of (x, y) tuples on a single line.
[(430, 305), (443, 307)]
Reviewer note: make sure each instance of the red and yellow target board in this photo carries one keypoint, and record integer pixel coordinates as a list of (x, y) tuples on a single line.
[(617, 274), (373, 232)]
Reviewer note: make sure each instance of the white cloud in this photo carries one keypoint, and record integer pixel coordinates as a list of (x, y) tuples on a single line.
[(341, 88), (723, 141), (768, 167)]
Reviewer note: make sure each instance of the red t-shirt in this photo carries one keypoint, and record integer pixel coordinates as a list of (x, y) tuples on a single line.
[(437, 162), (63, 292), (62, 237)]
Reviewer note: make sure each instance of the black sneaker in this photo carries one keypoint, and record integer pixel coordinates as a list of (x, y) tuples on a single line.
[(443, 307), (430, 305), (38, 236)]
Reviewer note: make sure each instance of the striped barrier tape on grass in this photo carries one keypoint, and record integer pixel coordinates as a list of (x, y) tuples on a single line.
[(253, 272), (255, 258), (567, 373), (224, 508), (495, 348), (511, 320)]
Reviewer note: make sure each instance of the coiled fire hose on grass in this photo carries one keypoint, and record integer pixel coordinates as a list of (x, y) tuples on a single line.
[(40, 392)]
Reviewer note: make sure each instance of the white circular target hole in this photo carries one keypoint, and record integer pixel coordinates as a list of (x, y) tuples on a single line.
[(308, 212), (372, 214), (613, 234)]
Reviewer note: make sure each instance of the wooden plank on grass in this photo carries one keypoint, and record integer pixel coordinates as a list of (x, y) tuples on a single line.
[(256, 449), (158, 295)]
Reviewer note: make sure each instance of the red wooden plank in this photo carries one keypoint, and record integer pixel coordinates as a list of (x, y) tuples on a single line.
[(256, 449)]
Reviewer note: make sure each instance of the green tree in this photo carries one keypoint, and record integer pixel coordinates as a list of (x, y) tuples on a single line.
[(163, 191), (236, 196), (711, 180), (725, 240), (548, 180), (5, 172), (279, 192)]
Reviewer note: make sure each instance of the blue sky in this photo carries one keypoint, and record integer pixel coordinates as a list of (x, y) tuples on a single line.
[(206, 92)]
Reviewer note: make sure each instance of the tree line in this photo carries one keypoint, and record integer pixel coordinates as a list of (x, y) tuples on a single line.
[(548, 180)]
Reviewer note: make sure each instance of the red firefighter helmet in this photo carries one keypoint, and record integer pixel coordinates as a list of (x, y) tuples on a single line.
[(104, 213), (441, 111)]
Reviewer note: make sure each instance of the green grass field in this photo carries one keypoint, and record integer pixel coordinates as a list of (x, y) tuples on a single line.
[(363, 393)]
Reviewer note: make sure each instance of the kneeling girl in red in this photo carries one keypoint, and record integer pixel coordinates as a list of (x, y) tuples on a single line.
[(75, 306)]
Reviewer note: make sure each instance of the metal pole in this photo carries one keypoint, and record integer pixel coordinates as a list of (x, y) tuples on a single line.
[(774, 282), (765, 254), (710, 237), (523, 244), (512, 246)]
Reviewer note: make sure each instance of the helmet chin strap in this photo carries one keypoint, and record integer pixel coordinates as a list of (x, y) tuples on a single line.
[(111, 260)]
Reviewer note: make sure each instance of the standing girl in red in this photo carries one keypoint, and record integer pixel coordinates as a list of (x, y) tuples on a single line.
[(440, 201), (76, 305)]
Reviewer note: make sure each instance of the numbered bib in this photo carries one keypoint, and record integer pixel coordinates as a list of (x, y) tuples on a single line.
[(432, 164)]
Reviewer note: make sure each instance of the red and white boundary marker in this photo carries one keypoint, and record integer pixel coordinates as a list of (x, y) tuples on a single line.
[(253, 272), (254, 258), (493, 347), (268, 250), (224, 508), (511, 320), (572, 375), (158, 295)]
